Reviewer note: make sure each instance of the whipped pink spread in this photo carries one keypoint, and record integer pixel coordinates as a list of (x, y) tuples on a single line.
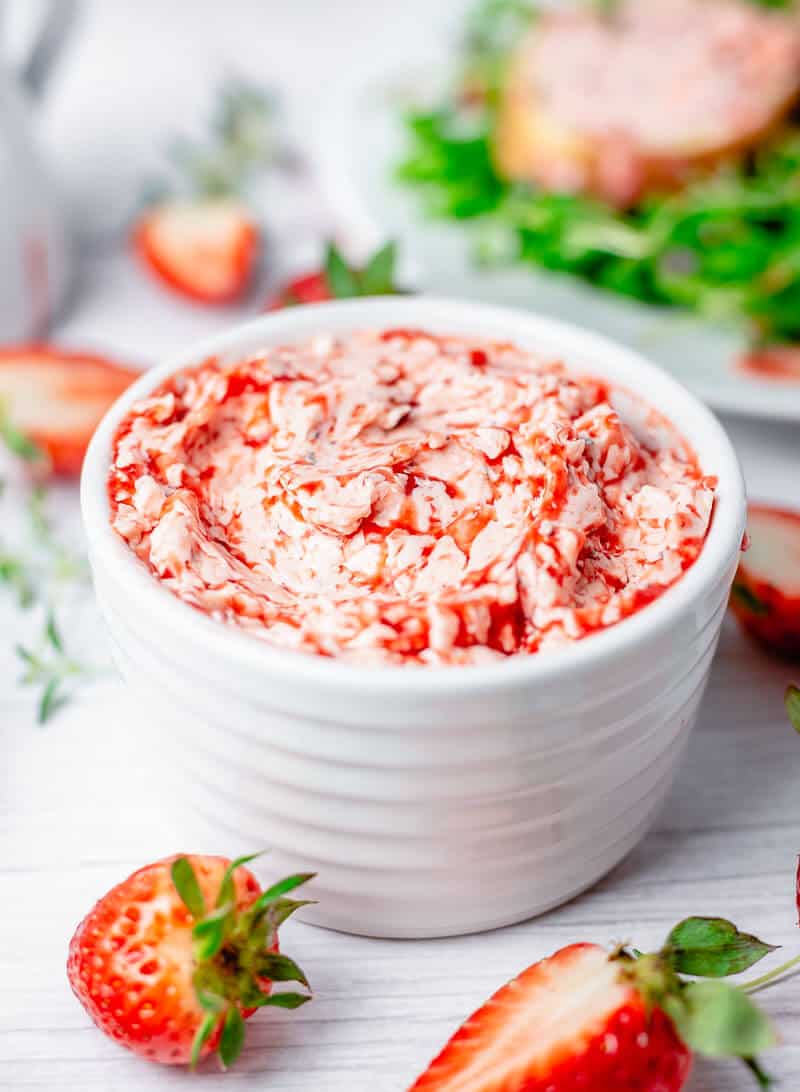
[(398, 497)]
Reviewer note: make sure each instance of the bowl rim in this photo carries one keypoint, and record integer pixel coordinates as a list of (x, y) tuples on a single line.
[(600, 355)]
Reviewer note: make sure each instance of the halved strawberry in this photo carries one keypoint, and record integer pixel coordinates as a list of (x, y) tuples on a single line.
[(173, 960), (766, 592), (205, 248), (781, 362), (51, 401), (338, 280), (587, 1019)]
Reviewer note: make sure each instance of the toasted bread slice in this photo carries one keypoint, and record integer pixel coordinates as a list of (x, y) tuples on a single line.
[(646, 98)]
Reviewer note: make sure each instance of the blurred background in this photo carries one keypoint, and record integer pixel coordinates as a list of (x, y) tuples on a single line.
[(147, 149), (132, 79)]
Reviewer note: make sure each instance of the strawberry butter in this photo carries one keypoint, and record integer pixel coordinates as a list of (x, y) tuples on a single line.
[(398, 497)]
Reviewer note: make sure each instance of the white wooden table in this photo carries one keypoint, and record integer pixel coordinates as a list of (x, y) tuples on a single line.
[(80, 810)]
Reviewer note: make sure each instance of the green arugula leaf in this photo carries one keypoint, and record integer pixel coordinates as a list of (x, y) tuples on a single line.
[(727, 246), (713, 948)]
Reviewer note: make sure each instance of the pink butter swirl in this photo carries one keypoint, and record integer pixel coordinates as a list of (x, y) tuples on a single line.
[(397, 497)]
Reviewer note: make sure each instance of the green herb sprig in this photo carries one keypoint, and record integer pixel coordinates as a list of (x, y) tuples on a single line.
[(50, 668), (244, 139), (36, 576)]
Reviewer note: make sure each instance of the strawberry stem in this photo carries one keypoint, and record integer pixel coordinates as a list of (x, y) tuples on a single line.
[(771, 976)]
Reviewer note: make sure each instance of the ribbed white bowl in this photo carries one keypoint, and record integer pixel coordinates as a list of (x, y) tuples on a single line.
[(429, 801)]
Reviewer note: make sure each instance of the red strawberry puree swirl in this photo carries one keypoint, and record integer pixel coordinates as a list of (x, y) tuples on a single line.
[(398, 497)]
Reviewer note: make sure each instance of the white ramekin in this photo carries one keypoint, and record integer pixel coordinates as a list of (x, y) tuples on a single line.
[(429, 801)]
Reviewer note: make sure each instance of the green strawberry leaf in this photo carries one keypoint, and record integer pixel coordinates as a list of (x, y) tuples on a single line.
[(210, 1002), (185, 880), (713, 948), (279, 968), (717, 1020), (763, 1079), (232, 1038), (793, 706), (227, 889), (209, 934), (284, 908), (377, 277), (283, 1000), (202, 1037), (748, 599), (342, 281), (232, 956), (283, 887)]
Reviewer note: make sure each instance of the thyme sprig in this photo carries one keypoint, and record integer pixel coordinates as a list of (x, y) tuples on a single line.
[(37, 574), (49, 667)]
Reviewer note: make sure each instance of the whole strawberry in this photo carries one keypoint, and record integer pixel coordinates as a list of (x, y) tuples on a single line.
[(173, 960), (589, 1019), (338, 280)]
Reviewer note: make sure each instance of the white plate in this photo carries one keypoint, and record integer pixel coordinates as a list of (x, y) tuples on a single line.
[(360, 141)]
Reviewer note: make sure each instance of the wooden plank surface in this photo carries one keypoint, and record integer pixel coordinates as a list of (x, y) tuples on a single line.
[(80, 809)]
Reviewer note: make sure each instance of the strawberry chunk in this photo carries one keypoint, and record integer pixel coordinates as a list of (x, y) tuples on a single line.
[(766, 592), (205, 248), (56, 399)]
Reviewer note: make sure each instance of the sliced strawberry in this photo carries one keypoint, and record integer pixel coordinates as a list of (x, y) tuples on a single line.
[(766, 592), (204, 248), (587, 1019), (338, 280), (173, 960), (781, 362), (565, 1023), (54, 400)]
